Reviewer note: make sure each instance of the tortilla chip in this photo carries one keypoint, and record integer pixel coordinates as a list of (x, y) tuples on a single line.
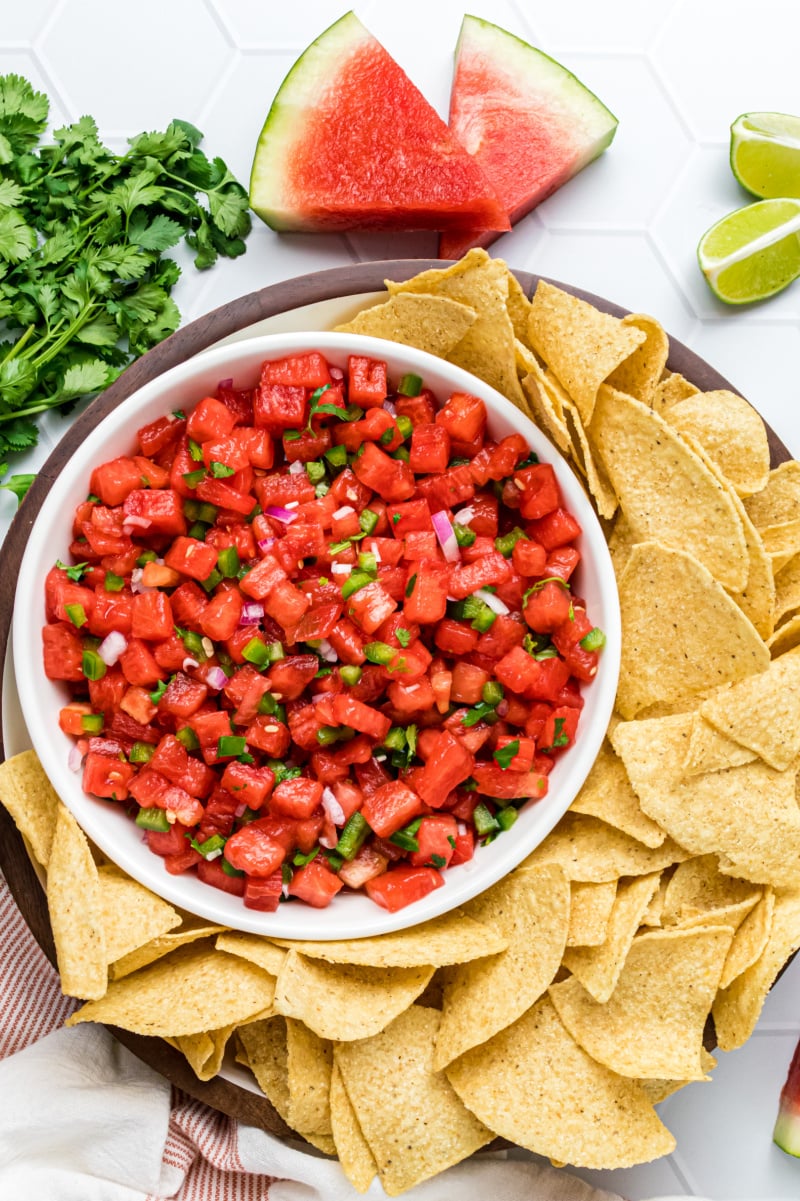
[(403, 1105), (757, 598), (579, 344), (487, 348), (205, 1051), (708, 750), (589, 911), (762, 712), (652, 1025), (589, 465), (451, 938), (779, 500), (263, 1044), (785, 638), (667, 492), (531, 910), (750, 939), (599, 968), (132, 915), (781, 541), (669, 390), (787, 590), (539, 1089), (681, 632), (653, 913), (157, 948), (640, 373), (737, 1008), (352, 1149), (731, 433), (33, 803), (309, 1061), (74, 900), (191, 990), (607, 794), (346, 1001), (659, 1090), (591, 851), (261, 951), (698, 894), (518, 306), (544, 396), (431, 323), (714, 813)]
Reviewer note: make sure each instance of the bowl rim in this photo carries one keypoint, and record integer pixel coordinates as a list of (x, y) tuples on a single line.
[(219, 906)]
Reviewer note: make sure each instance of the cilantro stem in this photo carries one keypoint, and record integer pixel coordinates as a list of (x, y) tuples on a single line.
[(19, 344)]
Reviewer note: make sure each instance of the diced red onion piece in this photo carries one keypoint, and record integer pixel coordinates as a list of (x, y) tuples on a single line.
[(132, 522), (341, 568), (225, 383), (446, 536), (336, 373), (345, 511), (216, 678), (390, 407), (373, 546), (328, 841), (495, 604), (332, 807), (327, 652), (74, 759), (112, 646), (137, 586), (252, 612), (502, 709), (463, 516), (281, 514), (265, 545), (296, 468), (188, 663), (240, 809)]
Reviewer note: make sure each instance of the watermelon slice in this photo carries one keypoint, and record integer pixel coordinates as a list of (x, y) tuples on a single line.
[(530, 124), (351, 143), (787, 1127)]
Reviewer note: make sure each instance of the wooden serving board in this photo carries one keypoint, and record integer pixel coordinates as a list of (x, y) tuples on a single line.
[(227, 321)]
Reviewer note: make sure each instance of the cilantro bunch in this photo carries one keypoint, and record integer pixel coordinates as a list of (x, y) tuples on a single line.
[(84, 282)]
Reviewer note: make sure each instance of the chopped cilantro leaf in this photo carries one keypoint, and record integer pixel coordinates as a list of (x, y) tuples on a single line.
[(505, 754)]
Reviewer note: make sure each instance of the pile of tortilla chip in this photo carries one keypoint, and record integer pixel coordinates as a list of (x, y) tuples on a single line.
[(557, 1009)]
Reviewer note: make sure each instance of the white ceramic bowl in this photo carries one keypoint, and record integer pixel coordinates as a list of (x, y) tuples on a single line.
[(350, 915)]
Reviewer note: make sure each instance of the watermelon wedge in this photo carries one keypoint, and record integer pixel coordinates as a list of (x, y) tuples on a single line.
[(351, 143), (787, 1127), (529, 123)]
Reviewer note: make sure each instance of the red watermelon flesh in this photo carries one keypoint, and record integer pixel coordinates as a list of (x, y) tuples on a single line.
[(530, 124), (351, 143)]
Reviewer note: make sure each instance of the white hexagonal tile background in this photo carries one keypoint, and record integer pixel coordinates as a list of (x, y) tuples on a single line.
[(676, 74)]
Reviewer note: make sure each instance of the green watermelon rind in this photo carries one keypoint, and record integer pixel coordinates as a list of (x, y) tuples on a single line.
[(600, 124), (284, 123)]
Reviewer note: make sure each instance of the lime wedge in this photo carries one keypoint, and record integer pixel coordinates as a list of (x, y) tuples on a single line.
[(765, 153), (753, 252)]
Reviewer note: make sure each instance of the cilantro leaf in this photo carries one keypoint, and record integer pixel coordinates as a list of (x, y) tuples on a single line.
[(84, 280), (403, 636), (504, 754), (19, 485)]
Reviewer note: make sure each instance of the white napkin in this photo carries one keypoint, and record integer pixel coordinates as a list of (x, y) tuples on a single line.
[(81, 1119)]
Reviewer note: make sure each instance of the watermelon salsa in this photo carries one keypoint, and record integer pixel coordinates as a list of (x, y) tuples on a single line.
[(319, 634)]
